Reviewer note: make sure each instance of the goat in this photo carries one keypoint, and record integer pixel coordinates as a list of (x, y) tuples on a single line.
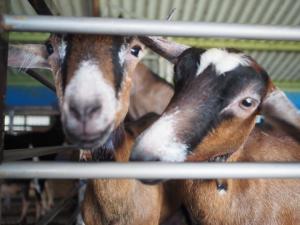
[(93, 84), (147, 87), (152, 204), (218, 94)]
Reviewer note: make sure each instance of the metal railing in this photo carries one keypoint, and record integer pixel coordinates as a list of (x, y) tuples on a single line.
[(141, 27), (145, 27), (70, 170), (91, 25), (148, 170), (19, 154)]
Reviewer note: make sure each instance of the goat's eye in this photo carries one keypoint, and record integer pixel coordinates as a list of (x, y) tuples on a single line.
[(49, 47), (135, 50), (247, 102)]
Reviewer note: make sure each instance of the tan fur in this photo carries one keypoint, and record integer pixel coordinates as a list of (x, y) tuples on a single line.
[(149, 93), (252, 201), (101, 47), (122, 201), (127, 202), (256, 201), (227, 138)]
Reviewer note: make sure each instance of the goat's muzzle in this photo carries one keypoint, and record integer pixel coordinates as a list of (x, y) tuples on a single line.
[(85, 124)]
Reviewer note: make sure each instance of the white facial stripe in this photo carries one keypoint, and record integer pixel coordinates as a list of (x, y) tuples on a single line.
[(159, 141), (222, 192), (88, 85), (122, 54), (223, 60), (62, 50)]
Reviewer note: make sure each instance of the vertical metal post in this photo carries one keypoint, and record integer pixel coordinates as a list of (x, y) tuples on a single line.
[(3, 74), (96, 8), (11, 121)]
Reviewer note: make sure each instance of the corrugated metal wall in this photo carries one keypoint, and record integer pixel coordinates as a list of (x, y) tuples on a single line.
[(281, 65)]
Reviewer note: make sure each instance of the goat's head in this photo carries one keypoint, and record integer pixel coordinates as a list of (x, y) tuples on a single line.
[(218, 94), (92, 76)]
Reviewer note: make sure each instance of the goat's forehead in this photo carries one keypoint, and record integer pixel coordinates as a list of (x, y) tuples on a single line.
[(223, 60)]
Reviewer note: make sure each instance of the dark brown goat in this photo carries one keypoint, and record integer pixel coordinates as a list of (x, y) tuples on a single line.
[(218, 94)]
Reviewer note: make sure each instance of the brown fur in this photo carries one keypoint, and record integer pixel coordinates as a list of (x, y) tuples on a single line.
[(154, 196), (149, 93), (124, 201), (227, 138), (255, 201), (252, 201)]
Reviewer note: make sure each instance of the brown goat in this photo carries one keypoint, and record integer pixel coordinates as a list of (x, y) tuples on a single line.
[(128, 201), (149, 92), (218, 94), (93, 83)]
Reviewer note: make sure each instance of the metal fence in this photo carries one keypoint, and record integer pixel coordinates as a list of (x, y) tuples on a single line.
[(142, 27), (71, 170)]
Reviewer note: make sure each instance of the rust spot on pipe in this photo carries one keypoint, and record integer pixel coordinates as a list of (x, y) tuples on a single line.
[(3, 26)]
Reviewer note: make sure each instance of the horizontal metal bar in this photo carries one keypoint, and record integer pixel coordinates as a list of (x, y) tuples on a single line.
[(41, 79), (19, 154), (146, 27), (148, 170)]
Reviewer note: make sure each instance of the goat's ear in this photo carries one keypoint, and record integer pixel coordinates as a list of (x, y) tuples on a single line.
[(28, 56), (281, 112), (170, 50)]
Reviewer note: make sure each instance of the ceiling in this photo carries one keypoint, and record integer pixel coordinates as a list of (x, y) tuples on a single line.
[(283, 65)]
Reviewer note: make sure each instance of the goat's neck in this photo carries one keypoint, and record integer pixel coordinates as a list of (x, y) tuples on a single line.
[(116, 148)]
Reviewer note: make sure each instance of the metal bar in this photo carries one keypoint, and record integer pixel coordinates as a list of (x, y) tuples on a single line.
[(19, 154), (96, 8), (40, 7), (148, 170), (48, 218), (146, 27), (3, 74), (41, 79)]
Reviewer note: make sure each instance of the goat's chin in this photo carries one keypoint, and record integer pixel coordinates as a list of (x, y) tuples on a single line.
[(89, 141)]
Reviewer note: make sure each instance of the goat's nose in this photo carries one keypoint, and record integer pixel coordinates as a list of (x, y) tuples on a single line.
[(138, 154), (84, 111)]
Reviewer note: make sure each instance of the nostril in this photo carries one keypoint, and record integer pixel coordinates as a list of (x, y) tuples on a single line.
[(144, 157), (75, 111), (81, 111), (92, 109)]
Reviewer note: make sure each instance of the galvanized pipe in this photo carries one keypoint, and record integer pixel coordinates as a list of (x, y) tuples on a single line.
[(19, 154), (148, 170), (146, 27)]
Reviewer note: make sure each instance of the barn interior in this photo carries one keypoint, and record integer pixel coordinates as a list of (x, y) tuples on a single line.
[(30, 109)]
